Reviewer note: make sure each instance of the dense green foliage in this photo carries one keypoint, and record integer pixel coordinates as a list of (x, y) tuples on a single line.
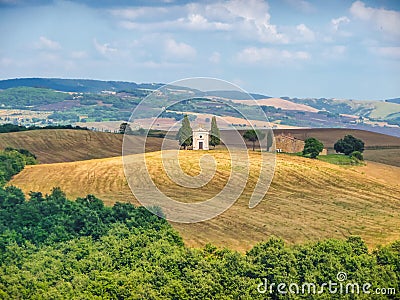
[(349, 144), (51, 247), (13, 161), (22, 97), (79, 85), (11, 128), (357, 155), (185, 133), (312, 148), (215, 135)]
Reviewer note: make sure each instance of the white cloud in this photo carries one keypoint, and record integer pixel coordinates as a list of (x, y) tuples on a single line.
[(305, 33), (47, 44), (388, 52), (249, 19), (254, 55), (255, 18), (382, 19), (178, 50), (103, 49), (341, 20), (215, 58), (198, 22)]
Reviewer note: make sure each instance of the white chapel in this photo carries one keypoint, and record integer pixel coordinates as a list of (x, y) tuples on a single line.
[(201, 139)]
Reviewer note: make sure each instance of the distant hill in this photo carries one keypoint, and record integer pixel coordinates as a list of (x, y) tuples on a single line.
[(76, 85), (114, 100), (394, 100), (237, 95), (96, 86), (66, 145)]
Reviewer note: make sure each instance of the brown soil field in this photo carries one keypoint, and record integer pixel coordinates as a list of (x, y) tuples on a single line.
[(308, 200), (61, 145), (328, 136), (384, 156)]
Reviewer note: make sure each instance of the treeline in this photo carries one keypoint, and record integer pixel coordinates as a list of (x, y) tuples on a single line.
[(13, 161), (16, 128), (51, 247)]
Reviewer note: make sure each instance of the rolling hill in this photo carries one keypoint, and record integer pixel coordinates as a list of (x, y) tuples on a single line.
[(66, 145), (308, 199), (75, 85)]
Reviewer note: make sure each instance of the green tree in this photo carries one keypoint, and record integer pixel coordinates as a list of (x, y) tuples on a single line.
[(185, 133), (123, 127), (349, 144), (312, 147), (215, 134), (357, 154), (270, 139), (254, 136)]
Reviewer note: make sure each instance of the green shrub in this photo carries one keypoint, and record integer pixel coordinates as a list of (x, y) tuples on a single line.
[(357, 154)]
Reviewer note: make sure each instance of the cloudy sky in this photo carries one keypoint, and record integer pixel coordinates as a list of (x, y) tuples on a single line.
[(296, 48)]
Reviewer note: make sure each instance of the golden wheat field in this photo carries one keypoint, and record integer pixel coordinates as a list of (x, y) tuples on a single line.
[(308, 199)]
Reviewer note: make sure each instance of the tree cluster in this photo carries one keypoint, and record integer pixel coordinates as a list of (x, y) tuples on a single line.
[(5, 128), (13, 161), (215, 135), (350, 144), (254, 136), (51, 247)]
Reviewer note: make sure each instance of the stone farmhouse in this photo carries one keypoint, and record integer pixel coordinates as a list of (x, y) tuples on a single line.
[(288, 144)]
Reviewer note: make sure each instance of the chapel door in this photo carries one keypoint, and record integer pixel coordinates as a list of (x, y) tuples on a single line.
[(201, 145)]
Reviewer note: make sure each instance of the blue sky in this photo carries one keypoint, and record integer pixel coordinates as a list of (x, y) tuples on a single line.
[(296, 48)]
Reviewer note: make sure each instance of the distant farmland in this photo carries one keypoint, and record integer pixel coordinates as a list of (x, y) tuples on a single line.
[(60, 145), (329, 136)]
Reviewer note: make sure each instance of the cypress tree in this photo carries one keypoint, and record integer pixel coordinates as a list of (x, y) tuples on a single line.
[(185, 133), (215, 134)]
